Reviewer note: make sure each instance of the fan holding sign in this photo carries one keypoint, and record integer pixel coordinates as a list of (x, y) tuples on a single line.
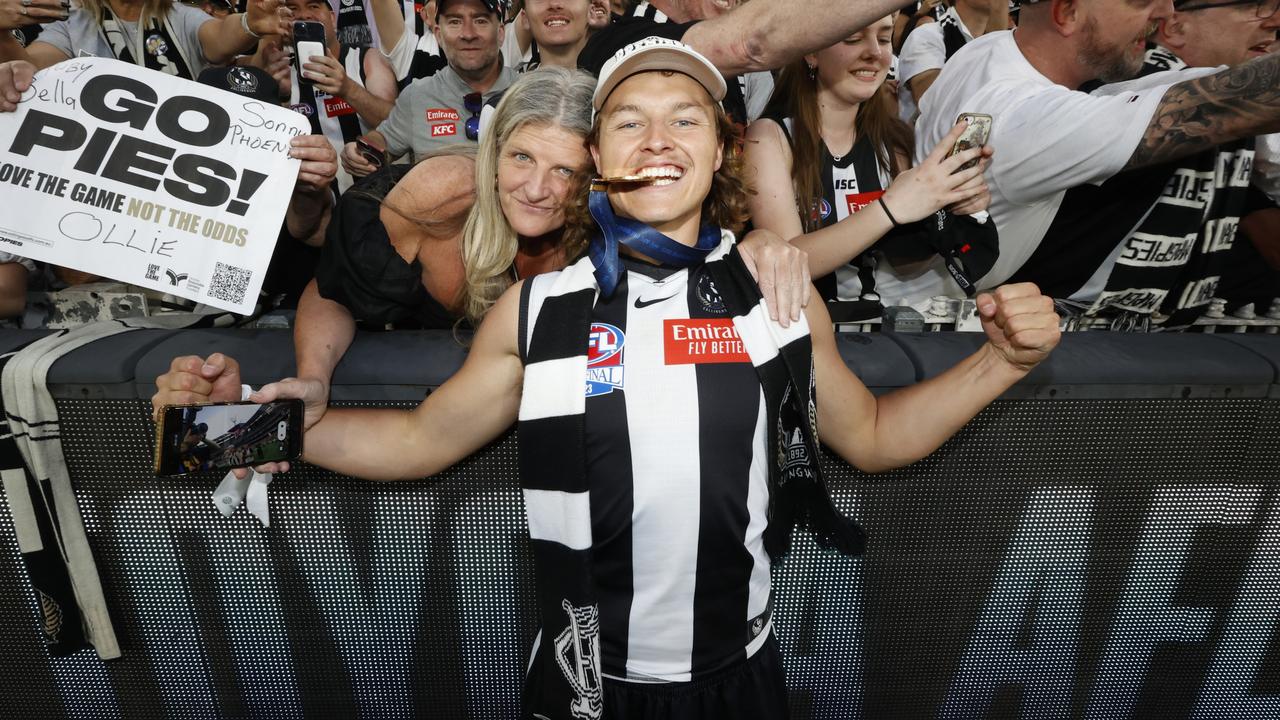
[(142, 177)]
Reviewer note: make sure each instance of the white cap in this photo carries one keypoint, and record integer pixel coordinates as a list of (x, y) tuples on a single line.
[(657, 53)]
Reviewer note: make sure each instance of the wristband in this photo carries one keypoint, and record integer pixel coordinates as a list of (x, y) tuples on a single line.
[(888, 214), (244, 23)]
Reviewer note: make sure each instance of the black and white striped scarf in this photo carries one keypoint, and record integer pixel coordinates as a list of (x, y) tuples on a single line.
[(1170, 264), (564, 678), (155, 46)]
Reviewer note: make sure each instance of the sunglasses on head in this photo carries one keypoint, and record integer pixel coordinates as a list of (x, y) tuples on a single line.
[(1263, 9), (474, 103)]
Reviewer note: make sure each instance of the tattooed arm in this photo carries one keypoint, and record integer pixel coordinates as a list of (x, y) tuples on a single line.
[(1198, 114)]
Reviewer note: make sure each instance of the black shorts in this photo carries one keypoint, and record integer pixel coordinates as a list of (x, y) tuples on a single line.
[(754, 690)]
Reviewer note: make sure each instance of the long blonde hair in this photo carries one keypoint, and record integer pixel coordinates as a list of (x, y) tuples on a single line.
[(150, 9), (547, 96)]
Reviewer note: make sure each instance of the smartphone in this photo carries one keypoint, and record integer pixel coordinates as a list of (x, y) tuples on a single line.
[(975, 135), (308, 41), (221, 436), (375, 155)]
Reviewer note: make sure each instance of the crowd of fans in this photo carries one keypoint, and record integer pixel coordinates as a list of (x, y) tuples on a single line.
[(1130, 170)]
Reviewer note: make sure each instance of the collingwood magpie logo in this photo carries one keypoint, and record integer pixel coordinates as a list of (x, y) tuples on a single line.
[(52, 612), (241, 80), (708, 296), (578, 655)]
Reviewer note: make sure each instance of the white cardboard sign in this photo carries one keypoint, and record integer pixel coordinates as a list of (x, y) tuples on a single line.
[(148, 179)]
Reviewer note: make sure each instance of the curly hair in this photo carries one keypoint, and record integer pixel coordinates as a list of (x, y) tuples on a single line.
[(725, 206)]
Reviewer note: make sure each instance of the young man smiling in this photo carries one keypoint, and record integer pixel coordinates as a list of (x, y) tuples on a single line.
[(667, 427)]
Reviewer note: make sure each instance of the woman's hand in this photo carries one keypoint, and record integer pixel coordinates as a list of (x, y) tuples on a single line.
[(939, 183), (15, 79), (782, 272), (315, 401), (16, 14)]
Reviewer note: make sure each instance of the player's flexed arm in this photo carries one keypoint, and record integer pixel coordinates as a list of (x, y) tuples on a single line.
[(876, 434), (472, 408)]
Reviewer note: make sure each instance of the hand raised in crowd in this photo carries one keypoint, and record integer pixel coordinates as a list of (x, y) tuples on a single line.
[(16, 14), (354, 162), (327, 74), (319, 161), (15, 79), (935, 183), (782, 272), (315, 401), (193, 379), (272, 58), (1020, 323), (266, 17)]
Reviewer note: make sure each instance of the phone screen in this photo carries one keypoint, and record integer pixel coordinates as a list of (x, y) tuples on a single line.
[(221, 436)]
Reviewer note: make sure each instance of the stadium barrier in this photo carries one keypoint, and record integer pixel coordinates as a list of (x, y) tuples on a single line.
[(1102, 542)]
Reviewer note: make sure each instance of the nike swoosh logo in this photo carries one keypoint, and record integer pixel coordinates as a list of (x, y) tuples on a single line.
[(646, 303)]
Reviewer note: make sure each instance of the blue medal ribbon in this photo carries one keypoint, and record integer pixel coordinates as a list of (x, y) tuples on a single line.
[(640, 237)]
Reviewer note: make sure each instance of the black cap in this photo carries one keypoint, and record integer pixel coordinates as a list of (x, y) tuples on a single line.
[(497, 7), (969, 248), (243, 80)]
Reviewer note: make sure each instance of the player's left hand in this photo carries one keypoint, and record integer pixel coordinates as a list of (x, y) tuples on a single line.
[(1021, 324), (319, 161), (782, 272)]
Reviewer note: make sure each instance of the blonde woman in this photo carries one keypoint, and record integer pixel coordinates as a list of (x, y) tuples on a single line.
[(160, 35)]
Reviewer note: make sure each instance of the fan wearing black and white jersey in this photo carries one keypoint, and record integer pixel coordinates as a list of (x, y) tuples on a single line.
[(831, 168), (350, 90)]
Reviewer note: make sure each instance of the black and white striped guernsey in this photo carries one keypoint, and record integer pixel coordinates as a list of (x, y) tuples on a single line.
[(677, 464)]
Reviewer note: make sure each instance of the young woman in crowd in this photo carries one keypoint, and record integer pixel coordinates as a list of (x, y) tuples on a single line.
[(162, 35), (651, 502), (831, 166)]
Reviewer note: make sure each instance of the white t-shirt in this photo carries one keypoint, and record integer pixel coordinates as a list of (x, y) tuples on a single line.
[(1047, 137), (924, 50)]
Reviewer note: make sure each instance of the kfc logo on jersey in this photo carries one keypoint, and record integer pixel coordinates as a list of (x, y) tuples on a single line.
[(857, 201), (443, 130), (604, 359)]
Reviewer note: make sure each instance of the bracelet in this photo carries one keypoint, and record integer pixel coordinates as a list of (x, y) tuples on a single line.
[(244, 23), (888, 214)]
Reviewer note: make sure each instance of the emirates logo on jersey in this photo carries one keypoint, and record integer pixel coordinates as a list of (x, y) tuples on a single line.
[(337, 107), (857, 201), (702, 340)]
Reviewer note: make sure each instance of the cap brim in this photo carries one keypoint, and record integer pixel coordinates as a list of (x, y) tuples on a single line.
[(656, 59)]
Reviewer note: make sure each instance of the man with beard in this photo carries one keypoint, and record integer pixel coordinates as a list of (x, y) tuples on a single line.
[(1050, 137), (1161, 241)]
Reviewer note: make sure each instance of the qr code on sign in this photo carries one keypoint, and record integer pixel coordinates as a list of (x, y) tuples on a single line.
[(229, 283)]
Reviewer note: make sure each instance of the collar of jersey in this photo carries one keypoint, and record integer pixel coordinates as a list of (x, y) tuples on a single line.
[(640, 237)]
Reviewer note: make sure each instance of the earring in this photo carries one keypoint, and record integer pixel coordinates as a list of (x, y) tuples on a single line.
[(813, 72)]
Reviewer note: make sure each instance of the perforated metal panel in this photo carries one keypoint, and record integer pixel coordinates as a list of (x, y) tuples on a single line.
[(1057, 558)]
